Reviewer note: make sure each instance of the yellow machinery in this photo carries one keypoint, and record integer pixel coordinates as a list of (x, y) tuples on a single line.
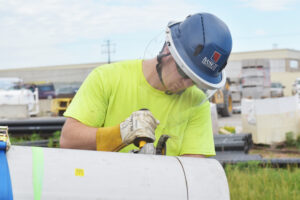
[(223, 100), (60, 105), (63, 99)]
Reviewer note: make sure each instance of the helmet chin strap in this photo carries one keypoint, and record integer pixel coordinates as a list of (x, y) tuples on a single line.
[(159, 70)]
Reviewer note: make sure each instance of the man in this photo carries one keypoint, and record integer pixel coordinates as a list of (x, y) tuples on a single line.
[(106, 112)]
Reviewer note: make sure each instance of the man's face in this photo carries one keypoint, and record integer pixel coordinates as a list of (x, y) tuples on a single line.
[(174, 78)]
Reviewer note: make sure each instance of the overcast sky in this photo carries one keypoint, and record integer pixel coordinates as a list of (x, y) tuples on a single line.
[(57, 32)]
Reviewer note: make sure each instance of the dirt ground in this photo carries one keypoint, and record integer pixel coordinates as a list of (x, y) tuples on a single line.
[(277, 153)]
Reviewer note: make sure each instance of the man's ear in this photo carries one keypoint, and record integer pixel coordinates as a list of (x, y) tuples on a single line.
[(166, 49)]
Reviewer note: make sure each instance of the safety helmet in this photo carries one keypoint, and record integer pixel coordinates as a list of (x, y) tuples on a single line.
[(201, 45)]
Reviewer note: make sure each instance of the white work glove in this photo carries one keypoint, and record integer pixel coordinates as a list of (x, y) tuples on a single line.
[(139, 124)]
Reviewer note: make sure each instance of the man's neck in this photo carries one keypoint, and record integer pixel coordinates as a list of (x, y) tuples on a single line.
[(151, 75)]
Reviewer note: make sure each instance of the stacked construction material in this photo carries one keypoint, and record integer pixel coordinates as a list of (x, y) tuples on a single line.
[(233, 142), (235, 157), (234, 148), (256, 81), (34, 125), (236, 94)]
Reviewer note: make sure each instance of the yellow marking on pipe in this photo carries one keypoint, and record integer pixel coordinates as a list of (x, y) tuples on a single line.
[(79, 172)]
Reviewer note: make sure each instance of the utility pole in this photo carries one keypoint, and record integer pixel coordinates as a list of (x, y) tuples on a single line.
[(108, 48)]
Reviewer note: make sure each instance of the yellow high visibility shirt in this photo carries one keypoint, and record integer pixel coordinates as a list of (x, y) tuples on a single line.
[(112, 92)]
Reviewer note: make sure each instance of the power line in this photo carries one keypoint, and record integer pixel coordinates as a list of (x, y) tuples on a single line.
[(108, 48)]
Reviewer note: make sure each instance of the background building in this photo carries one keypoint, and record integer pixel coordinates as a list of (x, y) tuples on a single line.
[(284, 68), (58, 75), (284, 65)]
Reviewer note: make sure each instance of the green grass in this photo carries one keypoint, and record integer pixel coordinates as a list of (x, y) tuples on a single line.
[(290, 140), (55, 136), (32, 137), (249, 181), (35, 136)]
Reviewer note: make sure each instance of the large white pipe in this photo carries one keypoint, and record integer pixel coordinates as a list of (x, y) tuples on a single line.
[(49, 173)]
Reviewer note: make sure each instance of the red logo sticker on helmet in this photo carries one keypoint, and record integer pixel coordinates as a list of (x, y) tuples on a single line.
[(216, 56)]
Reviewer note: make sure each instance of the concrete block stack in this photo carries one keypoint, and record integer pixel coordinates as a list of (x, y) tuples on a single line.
[(236, 94), (256, 81)]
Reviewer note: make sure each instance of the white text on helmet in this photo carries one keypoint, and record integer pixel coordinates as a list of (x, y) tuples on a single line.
[(209, 63)]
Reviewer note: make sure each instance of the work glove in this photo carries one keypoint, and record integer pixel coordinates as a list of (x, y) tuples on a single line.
[(140, 124)]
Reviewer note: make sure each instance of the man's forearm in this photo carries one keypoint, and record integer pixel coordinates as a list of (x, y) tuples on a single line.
[(75, 135)]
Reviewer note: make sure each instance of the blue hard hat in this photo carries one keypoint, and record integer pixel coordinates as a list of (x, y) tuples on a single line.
[(201, 45)]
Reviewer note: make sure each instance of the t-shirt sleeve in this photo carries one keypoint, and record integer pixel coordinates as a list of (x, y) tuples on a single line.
[(89, 105), (198, 137)]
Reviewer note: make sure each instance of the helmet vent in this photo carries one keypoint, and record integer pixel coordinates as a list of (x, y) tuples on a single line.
[(203, 29), (198, 50)]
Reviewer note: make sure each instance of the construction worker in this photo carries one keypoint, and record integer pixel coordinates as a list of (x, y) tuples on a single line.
[(122, 101)]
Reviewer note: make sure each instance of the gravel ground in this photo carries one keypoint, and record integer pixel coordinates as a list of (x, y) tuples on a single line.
[(235, 120)]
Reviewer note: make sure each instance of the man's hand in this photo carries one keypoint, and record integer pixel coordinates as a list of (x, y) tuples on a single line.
[(138, 124)]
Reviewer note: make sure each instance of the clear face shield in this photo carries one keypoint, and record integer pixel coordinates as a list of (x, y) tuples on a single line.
[(188, 100), (208, 93)]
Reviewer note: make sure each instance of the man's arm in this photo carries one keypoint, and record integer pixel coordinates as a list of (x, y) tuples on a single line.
[(76, 135)]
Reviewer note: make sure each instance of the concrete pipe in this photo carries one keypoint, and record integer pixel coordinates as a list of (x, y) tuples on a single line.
[(49, 173)]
